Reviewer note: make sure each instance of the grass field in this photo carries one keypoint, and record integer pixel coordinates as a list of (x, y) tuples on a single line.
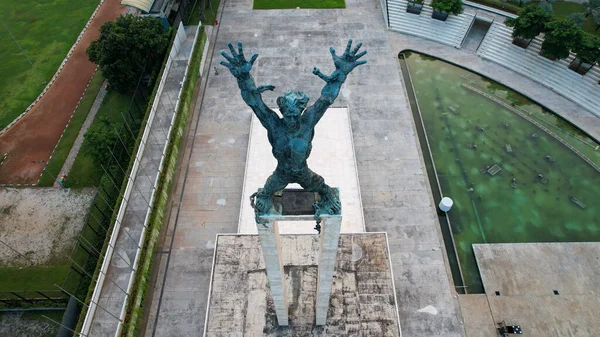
[(34, 278), (66, 142), (46, 30), (563, 9), (84, 172), (285, 4)]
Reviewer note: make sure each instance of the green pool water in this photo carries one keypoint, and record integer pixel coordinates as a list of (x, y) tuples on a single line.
[(545, 190)]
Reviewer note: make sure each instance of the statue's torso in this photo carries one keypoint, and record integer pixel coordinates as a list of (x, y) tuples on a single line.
[(291, 149)]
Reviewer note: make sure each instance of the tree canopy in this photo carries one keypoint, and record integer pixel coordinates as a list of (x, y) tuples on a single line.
[(100, 139), (530, 22), (561, 36), (588, 49), (578, 18), (125, 46), (448, 6), (590, 6)]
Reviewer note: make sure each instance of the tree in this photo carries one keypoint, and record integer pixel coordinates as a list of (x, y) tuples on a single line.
[(100, 139), (530, 22), (561, 37), (588, 49), (448, 6), (596, 17), (125, 47), (578, 18), (591, 6), (547, 6)]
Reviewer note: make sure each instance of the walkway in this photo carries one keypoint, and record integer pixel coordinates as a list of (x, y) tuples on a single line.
[(112, 296), (34, 136), (394, 188), (79, 140)]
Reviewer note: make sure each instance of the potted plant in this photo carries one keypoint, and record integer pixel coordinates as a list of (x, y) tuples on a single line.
[(442, 8), (529, 24), (587, 52), (561, 36), (414, 6)]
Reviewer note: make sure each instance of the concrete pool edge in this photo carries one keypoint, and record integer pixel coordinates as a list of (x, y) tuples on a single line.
[(453, 268), (566, 119)]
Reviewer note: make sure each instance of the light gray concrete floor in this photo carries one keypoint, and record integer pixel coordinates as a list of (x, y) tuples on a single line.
[(112, 296), (526, 286), (395, 192)]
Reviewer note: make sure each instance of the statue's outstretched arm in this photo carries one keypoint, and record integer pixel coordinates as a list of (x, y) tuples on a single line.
[(344, 64), (240, 69)]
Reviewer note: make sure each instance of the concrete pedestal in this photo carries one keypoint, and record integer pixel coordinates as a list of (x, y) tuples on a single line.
[(362, 302), (270, 243), (332, 157)]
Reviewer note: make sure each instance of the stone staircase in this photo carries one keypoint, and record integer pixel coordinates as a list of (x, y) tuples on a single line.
[(450, 32), (583, 89)]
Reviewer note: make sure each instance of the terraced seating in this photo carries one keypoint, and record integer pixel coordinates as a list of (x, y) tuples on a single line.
[(583, 89), (450, 32)]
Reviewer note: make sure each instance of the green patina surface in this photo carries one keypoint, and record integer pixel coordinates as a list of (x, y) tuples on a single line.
[(494, 208), (291, 135)]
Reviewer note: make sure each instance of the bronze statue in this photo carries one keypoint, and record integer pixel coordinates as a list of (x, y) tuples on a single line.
[(291, 136)]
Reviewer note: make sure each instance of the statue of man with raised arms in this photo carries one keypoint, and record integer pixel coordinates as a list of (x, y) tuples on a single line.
[(291, 136)]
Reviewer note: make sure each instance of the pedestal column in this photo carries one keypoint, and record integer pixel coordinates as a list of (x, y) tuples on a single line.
[(329, 238), (297, 206), (270, 245)]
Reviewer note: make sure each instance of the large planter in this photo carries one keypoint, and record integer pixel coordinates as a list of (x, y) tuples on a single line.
[(439, 15), (523, 43), (414, 8), (581, 66), (551, 58)]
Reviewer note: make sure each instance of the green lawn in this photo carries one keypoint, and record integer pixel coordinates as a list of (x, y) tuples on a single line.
[(285, 4), (84, 172), (564, 8), (211, 13), (32, 278), (66, 142), (46, 30)]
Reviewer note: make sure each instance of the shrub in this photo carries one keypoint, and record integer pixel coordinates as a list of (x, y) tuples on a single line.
[(531, 22), (561, 37), (588, 49), (448, 6)]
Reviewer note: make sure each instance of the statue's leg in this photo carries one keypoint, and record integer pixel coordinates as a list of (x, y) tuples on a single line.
[(273, 184), (313, 182)]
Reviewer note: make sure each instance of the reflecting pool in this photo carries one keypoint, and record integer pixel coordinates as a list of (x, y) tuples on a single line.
[(516, 171)]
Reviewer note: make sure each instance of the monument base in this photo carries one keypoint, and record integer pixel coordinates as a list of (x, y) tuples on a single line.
[(363, 300)]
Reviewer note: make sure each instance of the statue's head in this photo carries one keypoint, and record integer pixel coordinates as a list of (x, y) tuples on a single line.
[(291, 105)]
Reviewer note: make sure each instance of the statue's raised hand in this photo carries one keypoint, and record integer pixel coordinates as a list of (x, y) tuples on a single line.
[(344, 63), (237, 63)]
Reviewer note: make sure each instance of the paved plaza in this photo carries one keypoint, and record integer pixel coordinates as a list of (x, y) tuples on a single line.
[(393, 183)]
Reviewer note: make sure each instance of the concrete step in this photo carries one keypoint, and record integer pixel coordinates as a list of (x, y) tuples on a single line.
[(450, 32), (497, 47)]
